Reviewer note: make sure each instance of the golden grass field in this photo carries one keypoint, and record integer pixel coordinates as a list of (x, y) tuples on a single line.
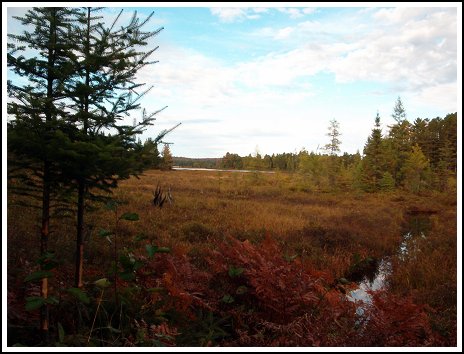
[(324, 230)]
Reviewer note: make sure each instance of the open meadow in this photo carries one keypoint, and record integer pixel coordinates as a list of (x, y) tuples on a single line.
[(242, 259)]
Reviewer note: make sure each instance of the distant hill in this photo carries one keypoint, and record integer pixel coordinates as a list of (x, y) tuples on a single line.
[(206, 162)]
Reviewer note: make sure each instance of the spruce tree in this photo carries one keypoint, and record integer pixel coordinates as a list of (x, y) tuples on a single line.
[(167, 161), (399, 114), (38, 114), (104, 92), (399, 141), (150, 153), (416, 170), (373, 161), (333, 148)]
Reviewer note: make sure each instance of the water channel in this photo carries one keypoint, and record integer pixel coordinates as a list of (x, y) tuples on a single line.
[(376, 273)]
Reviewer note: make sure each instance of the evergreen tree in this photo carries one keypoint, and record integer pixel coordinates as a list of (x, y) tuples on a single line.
[(399, 114), (416, 170), (38, 112), (448, 152), (437, 139), (87, 97), (333, 147), (150, 154), (315, 168), (231, 161), (373, 161), (103, 93), (420, 135), (267, 162), (399, 143), (387, 183), (167, 161)]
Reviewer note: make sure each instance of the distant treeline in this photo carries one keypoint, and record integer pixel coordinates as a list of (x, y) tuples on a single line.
[(197, 162), (415, 156)]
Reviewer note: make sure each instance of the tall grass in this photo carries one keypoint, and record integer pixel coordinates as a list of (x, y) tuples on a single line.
[(322, 230)]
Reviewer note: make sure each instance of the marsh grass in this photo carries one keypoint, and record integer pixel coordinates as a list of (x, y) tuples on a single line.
[(323, 230)]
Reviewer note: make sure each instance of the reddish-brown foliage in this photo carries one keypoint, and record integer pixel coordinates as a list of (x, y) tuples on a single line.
[(274, 301), (394, 321)]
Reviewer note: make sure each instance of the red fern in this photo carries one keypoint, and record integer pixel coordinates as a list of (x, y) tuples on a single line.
[(394, 321)]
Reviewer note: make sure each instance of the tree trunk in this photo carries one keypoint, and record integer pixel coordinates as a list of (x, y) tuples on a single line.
[(80, 237), (45, 231), (81, 189), (44, 313)]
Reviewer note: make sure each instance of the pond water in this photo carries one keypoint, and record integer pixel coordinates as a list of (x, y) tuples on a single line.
[(376, 277)]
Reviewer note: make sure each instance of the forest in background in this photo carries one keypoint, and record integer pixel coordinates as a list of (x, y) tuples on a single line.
[(414, 156)]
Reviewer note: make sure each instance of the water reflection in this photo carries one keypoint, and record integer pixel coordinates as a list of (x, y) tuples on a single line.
[(379, 281), (417, 228)]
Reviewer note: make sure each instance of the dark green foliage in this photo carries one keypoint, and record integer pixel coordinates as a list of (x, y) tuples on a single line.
[(373, 164), (103, 92), (208, 329), (437, 139), (387, 183), (415, 156), (152, 249), (80, 295), (39, 112), (197, 162), (38, 275), (416, 171), (232, 161), (150, 154), (67, 140)]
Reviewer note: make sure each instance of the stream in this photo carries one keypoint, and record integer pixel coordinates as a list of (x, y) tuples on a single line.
[(375, 273)]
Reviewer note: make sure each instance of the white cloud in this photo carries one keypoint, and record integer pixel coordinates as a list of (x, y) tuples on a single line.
[(292, 12), (296, 12), (284, 33), (400, 15), (277, 69), (249, 101), (410, 48), (440, 95), (233, 14), (418, 53), (229, 14), (260, 10), (309, 10)]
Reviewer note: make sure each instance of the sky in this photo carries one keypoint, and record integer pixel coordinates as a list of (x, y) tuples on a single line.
[(256, 77)]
